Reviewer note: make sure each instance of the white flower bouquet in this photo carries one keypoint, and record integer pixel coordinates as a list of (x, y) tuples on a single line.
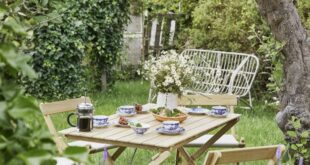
[(169, 73)]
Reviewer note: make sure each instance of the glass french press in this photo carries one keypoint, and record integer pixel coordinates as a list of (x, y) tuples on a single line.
[(84, 117)]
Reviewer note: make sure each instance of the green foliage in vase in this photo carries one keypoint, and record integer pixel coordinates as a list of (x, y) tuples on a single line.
[(75, 46), (23, 138)]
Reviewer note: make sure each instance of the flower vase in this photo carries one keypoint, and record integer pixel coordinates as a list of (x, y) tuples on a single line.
[(168, 100)]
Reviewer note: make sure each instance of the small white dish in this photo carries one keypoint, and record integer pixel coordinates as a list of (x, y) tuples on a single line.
[(177, 131), (210, 113), (102, 125), (117, 124), (197, 111)]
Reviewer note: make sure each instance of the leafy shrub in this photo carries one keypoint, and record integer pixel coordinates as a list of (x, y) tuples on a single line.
[(224, 25), (298, 139), (23, 138), (76, 46), (128, 72)]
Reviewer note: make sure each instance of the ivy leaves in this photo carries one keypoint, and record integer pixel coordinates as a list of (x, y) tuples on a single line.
[(71, 54)]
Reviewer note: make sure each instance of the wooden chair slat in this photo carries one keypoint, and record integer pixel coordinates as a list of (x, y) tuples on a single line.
[(62, 106), (244, 155), (228, 100)]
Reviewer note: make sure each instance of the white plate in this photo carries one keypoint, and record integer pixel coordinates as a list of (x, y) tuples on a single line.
[(117, 124), (198, 111), (178, 131), (210, 113), (125, 114)]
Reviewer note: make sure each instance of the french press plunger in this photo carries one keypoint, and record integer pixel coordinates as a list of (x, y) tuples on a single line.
[(85, 117)]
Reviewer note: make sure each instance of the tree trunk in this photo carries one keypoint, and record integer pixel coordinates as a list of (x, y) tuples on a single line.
[(286, 26)]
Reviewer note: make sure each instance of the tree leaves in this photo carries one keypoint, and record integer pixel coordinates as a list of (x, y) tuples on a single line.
[(11, 24), (77, 153)]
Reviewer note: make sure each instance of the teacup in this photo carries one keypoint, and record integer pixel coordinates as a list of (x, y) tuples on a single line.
[(100, 120), (126, 109), (171, 125), (219, 110)]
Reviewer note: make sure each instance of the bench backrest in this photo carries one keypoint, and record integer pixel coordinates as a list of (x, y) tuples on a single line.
[(219, 72)]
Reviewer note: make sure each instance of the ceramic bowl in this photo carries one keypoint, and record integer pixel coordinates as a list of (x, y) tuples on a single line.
[(100, 120), (219, 110), (126, 109), (171, 125), (140, 130)]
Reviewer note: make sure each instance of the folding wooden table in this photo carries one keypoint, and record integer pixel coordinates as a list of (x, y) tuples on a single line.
[(195, 126)]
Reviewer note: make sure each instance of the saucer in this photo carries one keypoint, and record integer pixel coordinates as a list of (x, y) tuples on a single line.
[(177, 131), (101, 126), (197, 111), (125, 114), (210, 113)]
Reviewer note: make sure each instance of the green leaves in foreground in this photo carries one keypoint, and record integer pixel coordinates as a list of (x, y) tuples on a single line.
[(24, 139), (79, 154)]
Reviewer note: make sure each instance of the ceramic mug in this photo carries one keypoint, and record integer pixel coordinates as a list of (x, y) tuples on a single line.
[(126, 109), (219, 110), (171, 125)]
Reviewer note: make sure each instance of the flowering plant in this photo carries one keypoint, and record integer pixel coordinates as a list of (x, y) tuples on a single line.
[(169, 73)]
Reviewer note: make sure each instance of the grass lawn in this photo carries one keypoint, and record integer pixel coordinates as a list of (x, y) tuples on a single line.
[(258, 127)]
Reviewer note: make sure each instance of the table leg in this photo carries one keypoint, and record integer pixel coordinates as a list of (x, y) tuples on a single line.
[(177, 157), (214, 138), (189, 160), (118, 152), (159, 158)]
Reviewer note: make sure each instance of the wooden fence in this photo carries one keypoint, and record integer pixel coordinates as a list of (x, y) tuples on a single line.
[(165, 27)]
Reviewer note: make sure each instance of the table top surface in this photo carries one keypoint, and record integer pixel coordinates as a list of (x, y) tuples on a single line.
[(195, 126)]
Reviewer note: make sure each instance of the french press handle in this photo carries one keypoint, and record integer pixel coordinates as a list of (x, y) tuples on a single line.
[(68, 119)]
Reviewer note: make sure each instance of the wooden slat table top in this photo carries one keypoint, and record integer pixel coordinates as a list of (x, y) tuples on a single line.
[(195, 126)]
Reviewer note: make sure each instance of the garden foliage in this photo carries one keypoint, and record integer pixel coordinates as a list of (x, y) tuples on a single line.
[(78, 44), (229, 25), (22, 139)]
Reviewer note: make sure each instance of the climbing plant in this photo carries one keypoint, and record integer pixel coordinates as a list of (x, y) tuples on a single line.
[(78, 45)]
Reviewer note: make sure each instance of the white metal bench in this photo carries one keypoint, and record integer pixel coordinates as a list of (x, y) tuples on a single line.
[(220, 72)]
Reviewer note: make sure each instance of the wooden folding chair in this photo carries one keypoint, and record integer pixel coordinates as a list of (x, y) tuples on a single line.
[(272, 153), (227, 140), (52, 108)]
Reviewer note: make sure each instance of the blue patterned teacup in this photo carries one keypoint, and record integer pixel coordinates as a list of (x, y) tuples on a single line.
[(100, 120), (219, 110), (171, 125), (126, 109)]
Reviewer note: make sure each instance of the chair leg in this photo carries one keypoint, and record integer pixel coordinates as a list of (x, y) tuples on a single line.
[(132, 157)]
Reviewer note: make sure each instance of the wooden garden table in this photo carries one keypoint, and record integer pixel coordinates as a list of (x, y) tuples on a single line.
[(195, 126)]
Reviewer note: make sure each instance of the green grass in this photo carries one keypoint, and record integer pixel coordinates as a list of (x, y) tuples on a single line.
[(258, 127)]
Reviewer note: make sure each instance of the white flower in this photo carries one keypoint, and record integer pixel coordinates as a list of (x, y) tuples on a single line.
[(170, 72)]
